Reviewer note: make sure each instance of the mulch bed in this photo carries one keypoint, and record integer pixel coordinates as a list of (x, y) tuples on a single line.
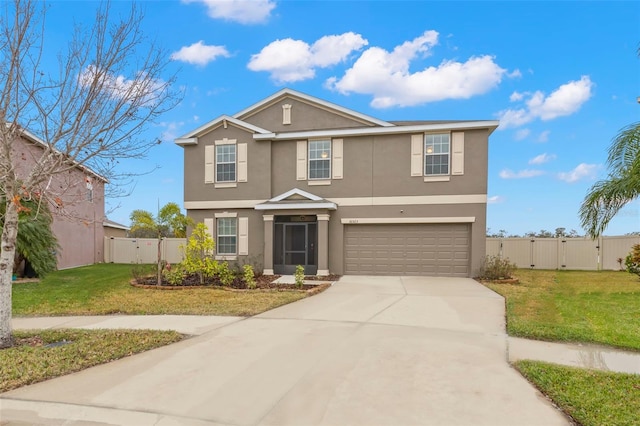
[(263, 282)]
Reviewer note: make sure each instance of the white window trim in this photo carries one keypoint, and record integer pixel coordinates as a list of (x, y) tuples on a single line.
[(225, 183), (425, 154), (226, 256), (309, 160), (319, 182)]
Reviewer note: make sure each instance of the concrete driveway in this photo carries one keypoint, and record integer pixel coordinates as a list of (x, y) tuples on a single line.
[(368, 351)]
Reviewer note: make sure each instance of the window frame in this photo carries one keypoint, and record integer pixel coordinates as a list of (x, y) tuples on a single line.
[(428, 154), (310, 160), (217, 163), (220, 220)]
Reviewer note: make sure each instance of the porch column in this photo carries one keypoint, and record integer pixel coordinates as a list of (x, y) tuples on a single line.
[(268, 244), (323, 244)]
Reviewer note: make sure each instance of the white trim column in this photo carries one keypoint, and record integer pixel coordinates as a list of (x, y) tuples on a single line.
[(268, 244), (323, 244)]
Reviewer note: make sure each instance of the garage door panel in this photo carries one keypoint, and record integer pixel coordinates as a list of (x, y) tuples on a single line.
[(408, 249)]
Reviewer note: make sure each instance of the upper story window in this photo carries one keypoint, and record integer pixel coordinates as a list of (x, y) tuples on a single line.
[(436, 154), (226, 163), (320, 159)]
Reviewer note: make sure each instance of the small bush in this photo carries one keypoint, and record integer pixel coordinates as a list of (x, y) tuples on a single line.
[(140, 271), (497, 268), (632, 262), (225, 274), (174, 275), (299, 276), (249, 276)]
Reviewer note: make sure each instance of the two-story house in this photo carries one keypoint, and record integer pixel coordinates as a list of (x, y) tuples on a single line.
[(295, 180), (79, 213)]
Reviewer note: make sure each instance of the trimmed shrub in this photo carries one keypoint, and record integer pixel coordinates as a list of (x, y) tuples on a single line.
[(497, 268), (225, 274), (632, 262), (299, 276), (249, 276)]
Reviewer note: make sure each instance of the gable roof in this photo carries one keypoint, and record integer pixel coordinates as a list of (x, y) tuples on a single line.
[(30, 137), (286, 92), (296, 199), (191, 138)]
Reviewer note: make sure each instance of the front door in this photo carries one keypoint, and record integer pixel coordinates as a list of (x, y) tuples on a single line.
[(294, 243)]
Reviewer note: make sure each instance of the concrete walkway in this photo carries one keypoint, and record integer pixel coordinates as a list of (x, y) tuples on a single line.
[(368, 351)]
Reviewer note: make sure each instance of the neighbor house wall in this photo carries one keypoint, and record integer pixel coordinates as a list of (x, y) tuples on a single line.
[(77, 217)]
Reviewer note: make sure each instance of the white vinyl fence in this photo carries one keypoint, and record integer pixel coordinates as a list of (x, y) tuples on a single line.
[(563, 253), (142, 250), (536, 253)]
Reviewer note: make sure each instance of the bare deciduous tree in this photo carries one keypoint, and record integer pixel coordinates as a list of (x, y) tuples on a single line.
[(94, 111)]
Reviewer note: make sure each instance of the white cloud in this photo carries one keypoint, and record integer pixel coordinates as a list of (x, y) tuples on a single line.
[(544, 136), (515, 74), (170, 132), (241, 11), (496, 199), (199, 53), (522, 134), (542, 158), (582, 171), (516, 96), (291, 60), (386, 75), (565, 100), (142, 88), (522, 174)]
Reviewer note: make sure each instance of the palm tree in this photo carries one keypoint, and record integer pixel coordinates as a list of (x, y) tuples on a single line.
[(607, 197)]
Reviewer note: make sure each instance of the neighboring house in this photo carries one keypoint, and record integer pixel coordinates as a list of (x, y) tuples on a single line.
[(295, 180), (78, 209), (114, 229)]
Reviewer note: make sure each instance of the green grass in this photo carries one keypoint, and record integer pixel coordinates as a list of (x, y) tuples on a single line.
[(575, 306), (30, 361), (104, 289), (592, 398)]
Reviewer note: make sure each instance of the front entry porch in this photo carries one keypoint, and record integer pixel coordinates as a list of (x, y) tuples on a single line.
[(296, 232)]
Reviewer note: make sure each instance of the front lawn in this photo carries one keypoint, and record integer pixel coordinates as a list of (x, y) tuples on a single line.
[(104, 289), (31, 360), (579, 306), (592, 398), (575, 306)]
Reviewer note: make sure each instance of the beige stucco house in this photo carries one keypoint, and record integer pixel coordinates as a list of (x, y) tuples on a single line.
[(78, 215), (295, 180)]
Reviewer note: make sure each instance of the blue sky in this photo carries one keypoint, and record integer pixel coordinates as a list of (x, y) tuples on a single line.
[(562, 77)]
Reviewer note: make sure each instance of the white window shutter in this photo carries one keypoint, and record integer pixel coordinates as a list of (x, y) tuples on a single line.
[(457, 153), (417, 158), (242, 162), (209, 163), (243, 236), (337, 166), (209, 223), (301, 161)]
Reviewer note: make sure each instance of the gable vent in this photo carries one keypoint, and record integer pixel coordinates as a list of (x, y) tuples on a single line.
[(286, 114)]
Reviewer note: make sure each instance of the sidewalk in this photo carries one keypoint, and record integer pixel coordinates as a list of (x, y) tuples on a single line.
[(570, 354), (186, 324)]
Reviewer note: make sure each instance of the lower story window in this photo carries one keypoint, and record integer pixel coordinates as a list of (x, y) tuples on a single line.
[(226, 242)]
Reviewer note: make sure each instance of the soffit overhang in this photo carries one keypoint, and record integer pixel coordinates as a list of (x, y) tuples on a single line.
[(490, 125)]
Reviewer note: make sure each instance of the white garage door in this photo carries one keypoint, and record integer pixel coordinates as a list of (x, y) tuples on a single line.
[(411, 249)]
